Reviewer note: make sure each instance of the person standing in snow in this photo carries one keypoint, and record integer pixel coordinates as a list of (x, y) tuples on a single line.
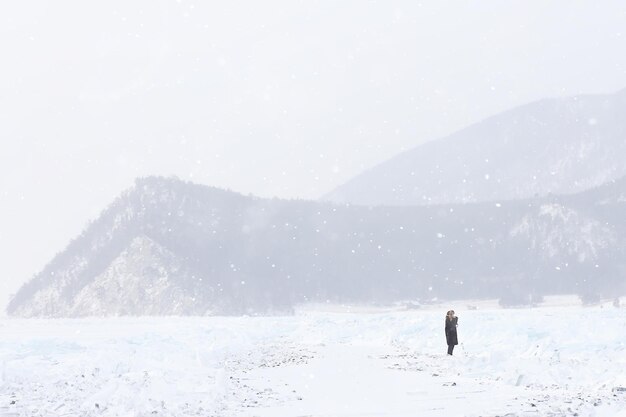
[(451, 338)]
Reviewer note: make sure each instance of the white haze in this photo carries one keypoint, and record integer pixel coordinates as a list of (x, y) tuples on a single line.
[(274, 98)]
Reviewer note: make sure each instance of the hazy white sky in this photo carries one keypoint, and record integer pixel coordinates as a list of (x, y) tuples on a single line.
[(275, 98)]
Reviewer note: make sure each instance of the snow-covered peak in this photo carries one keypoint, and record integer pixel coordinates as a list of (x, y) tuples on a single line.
[(557, 146)]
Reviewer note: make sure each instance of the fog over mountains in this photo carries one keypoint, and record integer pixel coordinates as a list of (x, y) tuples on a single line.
[(172, 247), (527, 203), (557, 146)]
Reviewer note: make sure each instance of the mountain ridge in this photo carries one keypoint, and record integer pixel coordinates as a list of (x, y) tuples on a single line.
[(558, 146), (210, 251)]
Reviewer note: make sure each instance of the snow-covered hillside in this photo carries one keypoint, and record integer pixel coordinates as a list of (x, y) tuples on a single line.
[(167, 247), (548, 361), (554, 146)]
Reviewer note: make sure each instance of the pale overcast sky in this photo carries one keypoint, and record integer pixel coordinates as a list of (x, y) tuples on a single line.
[(275, 98)]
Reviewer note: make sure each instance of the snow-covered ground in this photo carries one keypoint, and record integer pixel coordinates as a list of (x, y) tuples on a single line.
[(548, 361)]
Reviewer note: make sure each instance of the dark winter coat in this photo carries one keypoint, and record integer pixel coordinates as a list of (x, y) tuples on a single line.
[(451, 338)]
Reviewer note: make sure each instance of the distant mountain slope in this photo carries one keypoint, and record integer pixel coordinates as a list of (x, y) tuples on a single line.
[(144, 279), (171, 247), (556, 146)]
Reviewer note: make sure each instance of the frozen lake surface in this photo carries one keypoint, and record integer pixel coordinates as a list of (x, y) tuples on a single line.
[(548, 361)]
